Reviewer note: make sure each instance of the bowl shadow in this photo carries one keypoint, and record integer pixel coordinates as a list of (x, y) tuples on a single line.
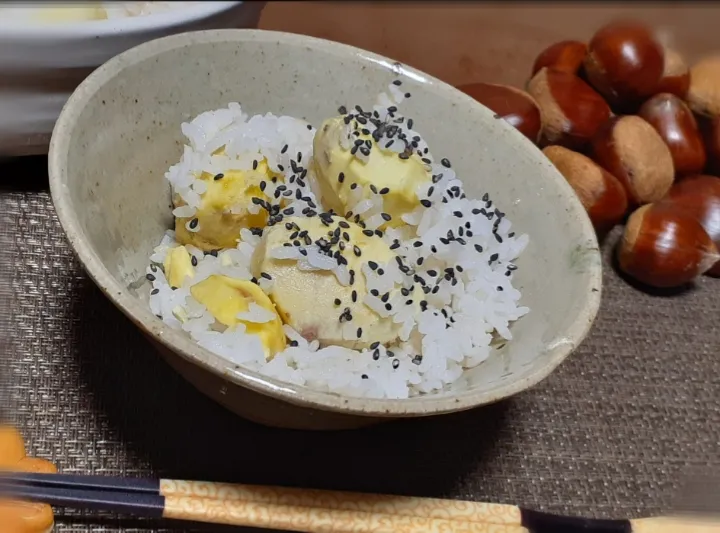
[(169, 425)]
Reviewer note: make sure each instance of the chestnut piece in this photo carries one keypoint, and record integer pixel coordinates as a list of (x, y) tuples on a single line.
[(571, 110), (632, 151), (514, 105), (673, 120), (710, 128), (676, 75), (704, 93), (624, 63), (600, 193), (665, 247), (565, 56), (699, 196)]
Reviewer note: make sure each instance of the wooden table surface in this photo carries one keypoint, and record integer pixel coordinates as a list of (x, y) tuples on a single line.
[(460, 42)]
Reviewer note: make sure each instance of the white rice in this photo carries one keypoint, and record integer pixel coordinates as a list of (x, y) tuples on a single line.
[(464, 311)]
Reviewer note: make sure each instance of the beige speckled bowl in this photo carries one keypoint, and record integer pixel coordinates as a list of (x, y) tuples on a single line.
[(120, 131)]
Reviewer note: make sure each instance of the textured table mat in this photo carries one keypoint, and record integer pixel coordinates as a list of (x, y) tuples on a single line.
[(613, 432)]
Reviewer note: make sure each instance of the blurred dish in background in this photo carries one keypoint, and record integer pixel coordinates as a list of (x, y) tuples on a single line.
[(47, 49)]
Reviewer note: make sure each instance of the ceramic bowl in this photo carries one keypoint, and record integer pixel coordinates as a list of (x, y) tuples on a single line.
[(41, 64), (120, 131)]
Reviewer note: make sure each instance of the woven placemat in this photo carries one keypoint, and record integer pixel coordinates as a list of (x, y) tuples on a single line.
[(613, 432)]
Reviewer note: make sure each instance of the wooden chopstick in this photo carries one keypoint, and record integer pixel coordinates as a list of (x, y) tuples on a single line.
[(312, 511)]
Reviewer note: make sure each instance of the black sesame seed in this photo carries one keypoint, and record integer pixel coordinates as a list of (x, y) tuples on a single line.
[(219, 176), (395, 364), (266, 275), (407, 95), (374, 345), (376, 355), (294, 344), (384, 190), (255, 164), (398, 83), (458, 214), (388, 307), (386, 217), (373, 189), (432, 273), (357, 251), (511, 234), (154, 291), (445, 162), (426, 203), (498, 238), (150, 277), (364, 376), (263, 186), (404, 156), (486, 197), (194, 223), (373, 265), (368, 233), (423, 305), (309, 126), (500, 289), (385, 297), (337, 301), (494, 257)]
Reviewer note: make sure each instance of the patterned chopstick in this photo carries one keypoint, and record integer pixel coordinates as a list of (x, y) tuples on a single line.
[(313, 511)]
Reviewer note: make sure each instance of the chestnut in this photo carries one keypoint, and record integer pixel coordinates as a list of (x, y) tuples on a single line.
[(710, 128), (600, 193), (699, 196), (704, 92), (676, 75), (676, 124), (632, 151), (624, 63), (571, 110), (514, 105), (665, 247), (565, 56)]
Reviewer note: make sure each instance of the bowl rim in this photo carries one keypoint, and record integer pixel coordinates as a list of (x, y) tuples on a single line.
[(41, 31), (139, 313)]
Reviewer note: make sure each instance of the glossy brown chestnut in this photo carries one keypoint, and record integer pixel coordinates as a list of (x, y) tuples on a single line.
[(565, 56), (624, 63), (514, 105), (699, 196), (601, 194), (676, 124), (632, 151), (665, 247), (571, 110), (710, 128), (704, 93), (676, 75)]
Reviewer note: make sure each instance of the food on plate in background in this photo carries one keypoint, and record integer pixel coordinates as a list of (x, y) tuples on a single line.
[(572, 112), (513, 105), (60, 13), (602, 195), (17, 516), (347, 259)]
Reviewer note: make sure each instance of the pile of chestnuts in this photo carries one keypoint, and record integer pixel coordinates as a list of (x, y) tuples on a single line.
[(634, 131)]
